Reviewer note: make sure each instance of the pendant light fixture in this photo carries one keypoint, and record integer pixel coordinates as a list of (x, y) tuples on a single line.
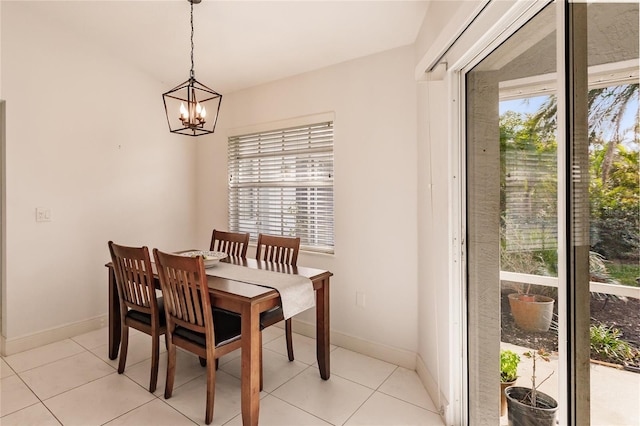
[(191, 107)]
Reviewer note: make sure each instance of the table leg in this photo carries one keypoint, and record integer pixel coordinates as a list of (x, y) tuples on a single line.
[(114, 317), (322, 329), (250, 381)]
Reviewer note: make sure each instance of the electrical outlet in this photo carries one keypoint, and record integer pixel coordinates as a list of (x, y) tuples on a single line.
[(43, 214), (360, 299)]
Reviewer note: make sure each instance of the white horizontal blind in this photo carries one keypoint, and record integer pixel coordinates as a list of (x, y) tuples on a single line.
[(531, 221), (281, 183)]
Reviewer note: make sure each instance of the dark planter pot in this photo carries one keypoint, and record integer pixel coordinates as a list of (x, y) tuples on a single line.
[(521, 414), (531, 312)]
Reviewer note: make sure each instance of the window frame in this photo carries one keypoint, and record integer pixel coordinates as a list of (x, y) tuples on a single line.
[(258, 179)]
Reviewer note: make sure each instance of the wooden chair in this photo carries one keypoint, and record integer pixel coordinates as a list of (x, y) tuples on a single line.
[(282, 250), (191, 322), (139, 306), (233, 243)]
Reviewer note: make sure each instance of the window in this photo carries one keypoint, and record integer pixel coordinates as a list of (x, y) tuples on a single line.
[(281, 183)]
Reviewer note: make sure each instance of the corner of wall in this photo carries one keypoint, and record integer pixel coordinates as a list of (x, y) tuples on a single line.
[(400, 357), (3, 227), (431, 385)]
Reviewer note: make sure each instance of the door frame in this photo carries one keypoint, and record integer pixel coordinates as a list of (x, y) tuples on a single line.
[(505, 25)]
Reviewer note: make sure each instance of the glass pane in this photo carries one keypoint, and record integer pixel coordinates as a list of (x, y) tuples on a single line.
[(614, 196), (512, 220)]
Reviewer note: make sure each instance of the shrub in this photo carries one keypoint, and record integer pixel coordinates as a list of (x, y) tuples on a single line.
[(607, 345), (509, 361)]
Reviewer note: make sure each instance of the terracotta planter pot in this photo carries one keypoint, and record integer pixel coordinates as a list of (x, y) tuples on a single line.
[(527, 298), (503, 397), (531, 312)]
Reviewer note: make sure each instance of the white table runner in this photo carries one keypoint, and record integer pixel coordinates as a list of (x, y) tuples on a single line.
[(296, 292)]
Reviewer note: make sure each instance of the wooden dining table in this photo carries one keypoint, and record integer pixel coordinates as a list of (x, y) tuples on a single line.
[(248, 300)]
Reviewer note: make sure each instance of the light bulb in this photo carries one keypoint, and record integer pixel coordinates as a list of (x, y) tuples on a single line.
[(203, 114)]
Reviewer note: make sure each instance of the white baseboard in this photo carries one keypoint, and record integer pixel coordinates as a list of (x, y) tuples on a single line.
[(20, 344), (401, 357), (439, 400)]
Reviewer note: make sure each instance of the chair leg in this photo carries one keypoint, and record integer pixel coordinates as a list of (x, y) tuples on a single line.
[(124, 346), (155, 360), (171, 370), (289, 336), (261, 370), (211, 390)]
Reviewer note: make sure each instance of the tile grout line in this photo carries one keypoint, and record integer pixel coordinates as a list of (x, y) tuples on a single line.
[(306, 366), (369, 397), (40, 400), (4, 358), (302, 409)]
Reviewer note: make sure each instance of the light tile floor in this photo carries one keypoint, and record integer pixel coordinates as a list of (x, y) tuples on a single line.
[(73, 382)]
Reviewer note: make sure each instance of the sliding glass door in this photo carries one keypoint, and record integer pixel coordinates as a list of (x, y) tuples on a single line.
[(512, 215), (551, 117)]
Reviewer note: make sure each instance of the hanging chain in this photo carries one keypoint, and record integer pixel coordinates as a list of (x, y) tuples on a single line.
[(192, 73)]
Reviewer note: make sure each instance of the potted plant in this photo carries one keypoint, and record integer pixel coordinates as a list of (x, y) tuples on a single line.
[(509, 361), (529, 406), (531, 312)]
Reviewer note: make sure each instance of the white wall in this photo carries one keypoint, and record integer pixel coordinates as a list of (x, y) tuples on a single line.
[(86, 137), (374, 101), (434, 244), (437, 285)]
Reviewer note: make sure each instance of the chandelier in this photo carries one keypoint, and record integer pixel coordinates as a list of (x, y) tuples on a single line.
[(191, 107)]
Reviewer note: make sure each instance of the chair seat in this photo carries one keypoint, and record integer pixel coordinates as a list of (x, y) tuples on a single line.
[(267, 318), (146, 318), (270, 317), (226, 328)]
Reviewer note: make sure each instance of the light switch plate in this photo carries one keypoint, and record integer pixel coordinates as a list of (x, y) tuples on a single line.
[(43, 214)]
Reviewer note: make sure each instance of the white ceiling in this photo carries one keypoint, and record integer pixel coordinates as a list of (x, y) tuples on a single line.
[(238, 44)]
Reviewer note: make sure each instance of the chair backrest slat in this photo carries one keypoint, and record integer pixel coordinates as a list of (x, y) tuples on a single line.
[(232, 243), (184, 286), (277, 249), (134, 277)]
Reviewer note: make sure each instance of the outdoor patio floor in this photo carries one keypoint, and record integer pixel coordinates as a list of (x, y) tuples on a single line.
[(615, 394)]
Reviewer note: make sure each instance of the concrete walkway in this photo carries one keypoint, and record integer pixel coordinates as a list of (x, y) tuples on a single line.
[(615, 394)]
